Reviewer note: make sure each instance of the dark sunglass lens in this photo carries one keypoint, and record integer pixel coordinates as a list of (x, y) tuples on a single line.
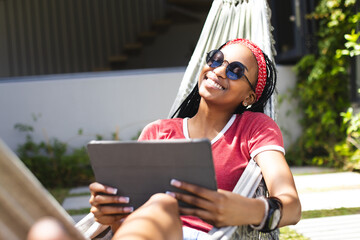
[(235, 70), (214, 58)]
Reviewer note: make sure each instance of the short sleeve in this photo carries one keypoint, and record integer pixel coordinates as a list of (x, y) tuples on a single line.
[(150, 131), (264, 135)]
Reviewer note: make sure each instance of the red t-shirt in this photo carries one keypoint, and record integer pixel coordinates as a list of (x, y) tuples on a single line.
[(243, 137)]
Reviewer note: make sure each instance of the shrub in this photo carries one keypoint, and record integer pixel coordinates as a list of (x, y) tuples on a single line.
[(349, 149), (53, 162), (322, 86)]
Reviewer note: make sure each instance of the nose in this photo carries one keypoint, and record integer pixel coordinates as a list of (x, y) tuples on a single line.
[(221, 70)]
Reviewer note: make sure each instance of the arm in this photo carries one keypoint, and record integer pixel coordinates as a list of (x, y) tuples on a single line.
[(224, 208), (280, 183)]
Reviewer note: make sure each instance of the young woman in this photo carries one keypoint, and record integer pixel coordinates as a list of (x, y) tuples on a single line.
[(226, 106)]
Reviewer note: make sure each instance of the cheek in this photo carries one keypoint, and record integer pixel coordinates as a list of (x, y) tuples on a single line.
[(203, 72), (238, 91)]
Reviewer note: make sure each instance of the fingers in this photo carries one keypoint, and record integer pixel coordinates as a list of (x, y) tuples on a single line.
[(106, 199), (110, 214), (202, 198), (100, 188), (102, 194), (109, 219), (200, 213), (194, 200), (194, 189), (106, 206), (111, 210)]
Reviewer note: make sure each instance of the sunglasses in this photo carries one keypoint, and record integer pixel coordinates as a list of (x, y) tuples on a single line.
[(234, 70)]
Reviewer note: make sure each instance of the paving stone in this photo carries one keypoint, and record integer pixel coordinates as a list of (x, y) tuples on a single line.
[(330, 228), (79, 190), (329, 181), (74, 203), (330, 199), (311, 170), (77, 218)]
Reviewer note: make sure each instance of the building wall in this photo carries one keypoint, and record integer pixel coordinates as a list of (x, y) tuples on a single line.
[(105, 103)]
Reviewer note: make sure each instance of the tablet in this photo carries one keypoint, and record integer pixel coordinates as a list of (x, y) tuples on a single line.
[(140, 169)]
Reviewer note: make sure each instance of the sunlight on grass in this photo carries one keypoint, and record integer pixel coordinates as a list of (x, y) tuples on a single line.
[(330, 212), (289, 234)]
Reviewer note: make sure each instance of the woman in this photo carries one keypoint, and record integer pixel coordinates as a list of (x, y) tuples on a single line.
[(226, 106)]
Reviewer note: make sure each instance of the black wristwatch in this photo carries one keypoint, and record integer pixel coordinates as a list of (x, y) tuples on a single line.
[(274, 214)]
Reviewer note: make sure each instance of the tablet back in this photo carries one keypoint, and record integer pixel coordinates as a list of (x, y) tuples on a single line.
[(141, 169)]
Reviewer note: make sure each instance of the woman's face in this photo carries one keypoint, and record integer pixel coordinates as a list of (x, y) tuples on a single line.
[(216, 88)]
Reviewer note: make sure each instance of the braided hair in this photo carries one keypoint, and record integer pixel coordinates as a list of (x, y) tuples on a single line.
[(190, 106)]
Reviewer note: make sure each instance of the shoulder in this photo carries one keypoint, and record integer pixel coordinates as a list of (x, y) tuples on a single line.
[(261, 132), (247, 115), (161, 123), (158, 128), (256, 120), (257, 126)]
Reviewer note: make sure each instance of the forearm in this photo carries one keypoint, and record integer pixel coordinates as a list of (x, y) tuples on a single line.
[(247, 211), (291, 212), (251, 211), (280, 184)]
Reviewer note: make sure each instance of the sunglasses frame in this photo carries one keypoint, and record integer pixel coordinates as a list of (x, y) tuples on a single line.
[(208, 58)]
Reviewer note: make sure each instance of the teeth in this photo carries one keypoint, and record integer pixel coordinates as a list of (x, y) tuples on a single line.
[(212, 83)]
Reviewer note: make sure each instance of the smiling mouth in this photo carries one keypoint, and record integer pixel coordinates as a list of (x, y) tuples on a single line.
[(214, 84)]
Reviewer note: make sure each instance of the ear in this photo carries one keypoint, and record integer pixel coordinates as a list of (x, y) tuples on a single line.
[(250, 99)]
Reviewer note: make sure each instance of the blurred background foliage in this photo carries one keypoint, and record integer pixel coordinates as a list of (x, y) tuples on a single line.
[(52, 161), (322, 89)]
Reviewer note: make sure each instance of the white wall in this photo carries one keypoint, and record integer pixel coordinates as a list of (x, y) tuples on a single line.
[(101, 103), (287, 116), (98, 103)]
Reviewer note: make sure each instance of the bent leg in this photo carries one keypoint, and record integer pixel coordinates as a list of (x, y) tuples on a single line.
[(47, 229), (157, 219)]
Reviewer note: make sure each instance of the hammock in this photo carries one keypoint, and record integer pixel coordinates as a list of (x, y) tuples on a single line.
[(229, 19), (23, 200)]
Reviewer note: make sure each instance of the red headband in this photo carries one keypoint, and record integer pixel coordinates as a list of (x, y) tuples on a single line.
[(261, 81)]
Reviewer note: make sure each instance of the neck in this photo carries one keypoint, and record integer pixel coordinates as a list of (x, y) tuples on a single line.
[(208, 121)]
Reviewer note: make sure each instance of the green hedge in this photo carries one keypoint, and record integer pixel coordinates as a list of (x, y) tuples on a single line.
[(53, 162)]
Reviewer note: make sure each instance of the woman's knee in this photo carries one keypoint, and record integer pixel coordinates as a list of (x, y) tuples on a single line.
[(165, 201)]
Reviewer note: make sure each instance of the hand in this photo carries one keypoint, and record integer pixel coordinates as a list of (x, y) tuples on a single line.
[(215, 207), (107, 209)]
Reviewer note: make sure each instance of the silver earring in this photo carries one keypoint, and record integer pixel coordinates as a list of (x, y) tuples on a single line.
[(245, 104)]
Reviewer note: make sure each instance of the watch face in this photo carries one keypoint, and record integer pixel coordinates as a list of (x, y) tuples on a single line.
[(275, 219)]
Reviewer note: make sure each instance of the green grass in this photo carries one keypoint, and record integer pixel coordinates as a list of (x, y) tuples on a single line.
[(330, 212), (286, 233), (289, 234), (59, 193), (78, 211)]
